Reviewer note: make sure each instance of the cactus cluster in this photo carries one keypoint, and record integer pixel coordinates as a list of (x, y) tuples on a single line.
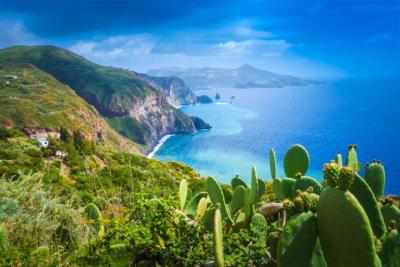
[(340, 215), (343, 221)]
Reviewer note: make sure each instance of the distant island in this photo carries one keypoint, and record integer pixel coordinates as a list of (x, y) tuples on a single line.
[(246, 76)]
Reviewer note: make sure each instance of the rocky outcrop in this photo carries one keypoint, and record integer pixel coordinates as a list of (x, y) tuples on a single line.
[(200, 124), (159, 119), (177, 92), (204, 99)]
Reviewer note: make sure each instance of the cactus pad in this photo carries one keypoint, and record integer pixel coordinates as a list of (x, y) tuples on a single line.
[(305, 182), (218, 238), (215, 193), (344, 231), (183, 188), (191, 208), (272, 163), (366, 198), (296, 161), (297, 241), (375, 177)]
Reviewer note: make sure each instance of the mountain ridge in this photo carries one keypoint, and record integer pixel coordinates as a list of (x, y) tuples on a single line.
[(244, 76), (115, 93)]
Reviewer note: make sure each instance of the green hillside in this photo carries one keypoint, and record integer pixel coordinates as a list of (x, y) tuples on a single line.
[(114, 92), (111, 90), (31, 98)]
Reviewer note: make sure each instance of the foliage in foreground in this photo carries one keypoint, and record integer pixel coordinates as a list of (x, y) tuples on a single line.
[(115, 209)]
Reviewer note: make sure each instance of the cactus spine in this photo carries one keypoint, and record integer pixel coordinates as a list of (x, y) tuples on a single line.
[(183, 188), (218, 238), (296, 161), (337, 206), (375, 177)]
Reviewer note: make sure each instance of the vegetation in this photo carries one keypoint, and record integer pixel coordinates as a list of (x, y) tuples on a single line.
[(32, 99), (115, 93), (97, 207)]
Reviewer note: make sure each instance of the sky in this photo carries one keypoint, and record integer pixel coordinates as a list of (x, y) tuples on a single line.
[(310, 39)]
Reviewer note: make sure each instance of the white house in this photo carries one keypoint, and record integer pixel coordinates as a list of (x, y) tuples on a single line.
[(43, 142)]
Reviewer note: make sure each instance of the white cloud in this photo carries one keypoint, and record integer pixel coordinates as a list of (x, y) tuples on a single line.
[(15, 33), (141, 52), (254, 46)]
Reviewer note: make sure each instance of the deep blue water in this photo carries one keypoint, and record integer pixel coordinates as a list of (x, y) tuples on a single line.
[(324, 118)]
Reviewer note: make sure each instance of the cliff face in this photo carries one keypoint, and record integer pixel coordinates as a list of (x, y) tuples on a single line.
[(138, 107), (34, 101), (177, 92)]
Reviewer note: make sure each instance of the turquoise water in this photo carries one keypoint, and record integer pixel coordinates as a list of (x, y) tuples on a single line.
[(324, 118)]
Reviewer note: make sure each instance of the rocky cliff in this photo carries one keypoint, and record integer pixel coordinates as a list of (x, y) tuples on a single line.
[(129, 102), (177, 92)]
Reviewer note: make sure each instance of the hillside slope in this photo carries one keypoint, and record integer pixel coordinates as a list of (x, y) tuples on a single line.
[(33, 99), (116, 93), (242, 77)]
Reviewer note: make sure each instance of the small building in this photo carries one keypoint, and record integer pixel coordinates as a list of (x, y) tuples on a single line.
[(43, 142), (61, 154)]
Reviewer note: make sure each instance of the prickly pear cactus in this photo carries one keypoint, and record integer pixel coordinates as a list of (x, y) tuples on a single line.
[(191, 208), (277, 187), (272, 163), (236, 181), (259, 222), (218, 238), (304, 182), (296, 161), (261, 188), (352, 160), (339, 160), (93, 213), (351, 244), (208, 219), (390, 251), (390, 214), (215, 193), (375, 177), (297, 241), (287, 187), (202, 207), (237, 200), (366, 198), (183, 188), (254, 186)]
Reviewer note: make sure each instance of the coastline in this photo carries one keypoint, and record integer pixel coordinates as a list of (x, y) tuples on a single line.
[(151, 154)]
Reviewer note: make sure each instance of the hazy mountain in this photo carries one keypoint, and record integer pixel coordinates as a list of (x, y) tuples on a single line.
[(243, 77)]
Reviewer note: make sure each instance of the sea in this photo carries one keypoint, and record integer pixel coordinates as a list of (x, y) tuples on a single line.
[(324, 118)]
